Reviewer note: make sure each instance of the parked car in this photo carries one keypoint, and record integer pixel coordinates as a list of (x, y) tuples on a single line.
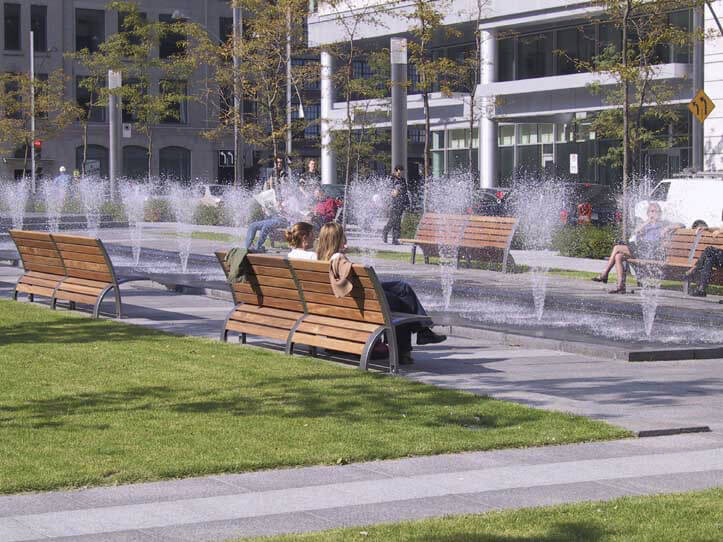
[(694, 200), (212, 194), (492, 202), (589, 203)]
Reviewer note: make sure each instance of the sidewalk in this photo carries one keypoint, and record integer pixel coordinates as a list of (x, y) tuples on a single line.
[(318, 498), (637, 396)]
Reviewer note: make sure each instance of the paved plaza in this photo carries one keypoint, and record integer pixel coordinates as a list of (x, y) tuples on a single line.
[(643, 397)]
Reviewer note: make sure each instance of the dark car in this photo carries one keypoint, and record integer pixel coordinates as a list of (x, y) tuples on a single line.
[(491, 202), (588, 203)]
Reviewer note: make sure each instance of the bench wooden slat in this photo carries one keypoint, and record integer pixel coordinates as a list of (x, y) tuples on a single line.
[(266, 291), (35, 289), (281, 323), (84, 257), (346, 324), (325, 342), (322, 288), (74, 239), (63, 295), (47, 252), (79, 249), (346, 313), (272, 302), (346, 301), (261, 331), (333, 331), (267, 311)]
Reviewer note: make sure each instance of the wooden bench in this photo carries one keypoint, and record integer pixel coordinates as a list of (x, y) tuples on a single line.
[(680, 250), (483, 238), (268, 304), (350, 324), (292, 301), (43, 265), (68, 268)]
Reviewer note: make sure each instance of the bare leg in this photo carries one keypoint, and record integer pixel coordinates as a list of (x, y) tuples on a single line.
[(618, 250), (620, 257)]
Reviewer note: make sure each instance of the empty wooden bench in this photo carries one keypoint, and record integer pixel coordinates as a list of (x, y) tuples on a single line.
[(483, 238), (43, 265), (680, 254), (68, 268), (350, 324), (268, 304)]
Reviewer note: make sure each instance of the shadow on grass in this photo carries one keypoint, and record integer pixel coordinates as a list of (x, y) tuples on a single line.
[(281, 398), (64, 330), (561, 532)]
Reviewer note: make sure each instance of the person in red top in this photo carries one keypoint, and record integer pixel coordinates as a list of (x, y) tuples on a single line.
[(325, 210)]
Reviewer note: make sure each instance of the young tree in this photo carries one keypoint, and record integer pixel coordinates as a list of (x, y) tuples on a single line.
[(432, 72), (52, 112), (645, 29)]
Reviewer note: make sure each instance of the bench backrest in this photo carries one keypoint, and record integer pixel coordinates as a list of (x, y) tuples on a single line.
[(38, 252), (678, 247), (271, 283), (85, 258), (489, 231), (365, 303), (707, 240), (441, 229)]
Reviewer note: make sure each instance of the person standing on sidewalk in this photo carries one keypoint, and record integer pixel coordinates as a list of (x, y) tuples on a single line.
[(399, 202)]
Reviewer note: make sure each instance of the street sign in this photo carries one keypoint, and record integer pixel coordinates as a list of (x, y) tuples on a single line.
[(573, 164), (127, 130), (225, 159), (701, 106)]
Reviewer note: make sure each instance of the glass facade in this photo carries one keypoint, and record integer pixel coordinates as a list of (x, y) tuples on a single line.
[(559, 51), (571, 151), (450, 150), (11, 14), (89, 29)]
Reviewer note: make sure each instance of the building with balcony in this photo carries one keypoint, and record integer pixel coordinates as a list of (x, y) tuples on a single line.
[(534, 105)]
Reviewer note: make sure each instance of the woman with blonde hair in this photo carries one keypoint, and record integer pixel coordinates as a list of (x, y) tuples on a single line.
[(300, 237), (400, 295)]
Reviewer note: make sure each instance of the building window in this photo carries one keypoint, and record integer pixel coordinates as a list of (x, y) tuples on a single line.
[(86, 100), (171, 43), (176, 91), (175, 164), (39, 26), (506, 60), (135, 162), (534, 55), (89, 29), (96, 160), (450, 150), (574, 45), (12, 27), (225, 28), (312, 113)]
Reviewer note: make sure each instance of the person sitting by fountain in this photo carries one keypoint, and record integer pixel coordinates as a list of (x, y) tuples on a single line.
[(300, 237), (401, 297), (275, 218), (398, 203), (326, 208), (702, 271), (647, 244)]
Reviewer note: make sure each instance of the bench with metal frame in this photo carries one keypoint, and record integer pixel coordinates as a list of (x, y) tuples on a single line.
[(350, 324), (268, 304), (68, 268), (681, 253), (483, 238)]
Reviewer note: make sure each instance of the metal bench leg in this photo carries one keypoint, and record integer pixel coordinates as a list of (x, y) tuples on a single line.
[(686, 285), (414, 254), (15, 294), (224, 335), (31, 297), (368, 346), (242, 338)]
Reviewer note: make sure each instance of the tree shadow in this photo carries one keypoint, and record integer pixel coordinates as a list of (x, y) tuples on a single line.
[(559, 532)]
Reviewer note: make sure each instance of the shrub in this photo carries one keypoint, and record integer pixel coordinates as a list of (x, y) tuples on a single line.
[(409, 225), (586, 241), (209, 215), (114, 209), (158, 210)]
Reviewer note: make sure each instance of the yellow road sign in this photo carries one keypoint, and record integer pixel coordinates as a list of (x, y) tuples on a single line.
[(701, 106)]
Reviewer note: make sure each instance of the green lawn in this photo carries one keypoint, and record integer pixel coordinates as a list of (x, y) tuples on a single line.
[(661, 518), (93, 402)]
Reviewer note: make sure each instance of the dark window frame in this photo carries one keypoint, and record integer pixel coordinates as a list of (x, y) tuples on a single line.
[(94, 37), (39, 26), (13, 35)]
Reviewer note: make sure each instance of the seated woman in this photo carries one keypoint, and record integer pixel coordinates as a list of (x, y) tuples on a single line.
[(400, 295), (703, 269), (648, 245), (300, 237)]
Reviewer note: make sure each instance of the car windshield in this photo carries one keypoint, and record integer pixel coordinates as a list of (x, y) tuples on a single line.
[(660, 193)]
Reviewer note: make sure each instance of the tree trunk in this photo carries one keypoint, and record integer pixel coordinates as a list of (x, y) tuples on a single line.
[(85, 148), (150, 153)]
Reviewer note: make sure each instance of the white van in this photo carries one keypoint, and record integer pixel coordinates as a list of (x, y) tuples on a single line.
[(694, 200)]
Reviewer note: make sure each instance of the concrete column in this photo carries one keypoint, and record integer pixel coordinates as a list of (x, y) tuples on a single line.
[(697, 134), (487, 126), (328, 156), (398, 48)]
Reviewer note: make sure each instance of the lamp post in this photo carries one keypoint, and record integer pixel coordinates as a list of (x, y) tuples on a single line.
[(32, 111)]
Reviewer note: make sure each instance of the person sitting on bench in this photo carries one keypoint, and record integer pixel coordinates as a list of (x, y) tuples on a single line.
[(300, 237), (648, 245), (703, 269), (401, 297)]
